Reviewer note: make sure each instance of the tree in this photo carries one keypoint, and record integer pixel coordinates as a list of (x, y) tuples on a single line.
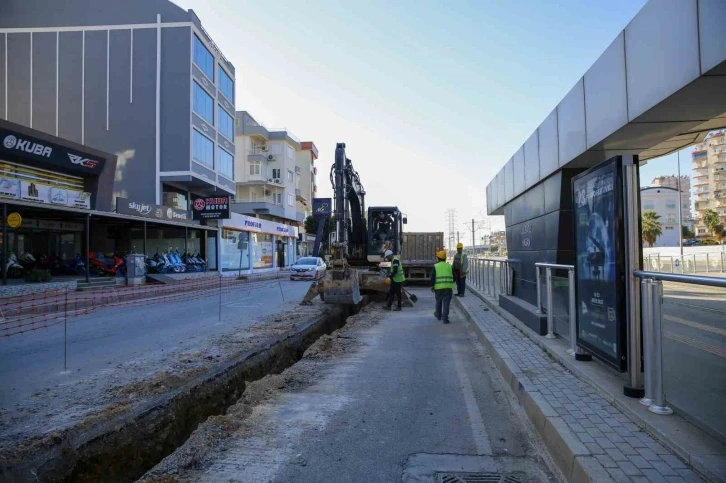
[(651, 227), (687, 232), (712, 220)]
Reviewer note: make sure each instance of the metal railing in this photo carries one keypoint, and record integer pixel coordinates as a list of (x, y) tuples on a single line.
[(491, 275), (710, 262), (652, 318)]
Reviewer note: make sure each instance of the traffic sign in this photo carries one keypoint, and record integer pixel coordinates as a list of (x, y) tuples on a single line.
[(14, 220)]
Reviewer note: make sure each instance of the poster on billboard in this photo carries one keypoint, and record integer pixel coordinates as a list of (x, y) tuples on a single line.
[(43, 193), (600, 261)]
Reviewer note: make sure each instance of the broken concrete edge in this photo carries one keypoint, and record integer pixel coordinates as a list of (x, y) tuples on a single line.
[(562, 444), (154, 428), (710, 470)]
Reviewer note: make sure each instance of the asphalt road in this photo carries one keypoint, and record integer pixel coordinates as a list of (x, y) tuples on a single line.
[(417, 398), (33, 361), (694, 352)]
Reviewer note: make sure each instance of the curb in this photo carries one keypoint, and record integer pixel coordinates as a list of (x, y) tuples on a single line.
[(698, 462), (572, 457)]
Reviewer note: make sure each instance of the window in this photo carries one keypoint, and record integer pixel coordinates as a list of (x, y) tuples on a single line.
[(202, 149), (290, 151), (648, 205), (289, 176), (278, 198), (701, 231), (203, 104), (254, 168), (671, 204), (671, 218), (275, 148), (276, 173), (226, 123), (203, 58), (290, 199), (668, 227), (225, 164), (226, 84)]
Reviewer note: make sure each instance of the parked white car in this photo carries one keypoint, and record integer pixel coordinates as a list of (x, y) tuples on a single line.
[(308, 268)]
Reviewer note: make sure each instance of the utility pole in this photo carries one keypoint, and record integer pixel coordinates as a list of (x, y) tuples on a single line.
[(451, 227), (680, 209), (457, 238), (473, 242)]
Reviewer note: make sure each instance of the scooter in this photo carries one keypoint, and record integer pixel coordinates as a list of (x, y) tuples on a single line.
[(12, 267), (76, 266), (27, 260)]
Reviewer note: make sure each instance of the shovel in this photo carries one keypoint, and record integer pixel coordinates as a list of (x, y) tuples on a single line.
[(411, 296)]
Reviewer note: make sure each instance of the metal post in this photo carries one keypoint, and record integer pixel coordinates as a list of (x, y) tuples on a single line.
[(143, 246), (708, 264), (659, 265), (680, 208), (220, 294), (672, 269), (538, 281), (5, 244), (659, 406), (646, 306), (573, 309), (694, 263), (65, 333), (721, 262), (633, 244), (88, 247), (550, 308)]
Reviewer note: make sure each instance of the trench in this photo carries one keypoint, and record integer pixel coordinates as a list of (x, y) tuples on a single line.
[(124, 448)]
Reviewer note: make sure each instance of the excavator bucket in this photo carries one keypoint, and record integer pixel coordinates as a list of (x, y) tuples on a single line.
[(315, 289), (342, 287), (376, 282)]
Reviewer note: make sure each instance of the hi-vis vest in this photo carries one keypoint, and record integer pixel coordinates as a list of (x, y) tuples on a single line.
[(399, 277), (444, 276)]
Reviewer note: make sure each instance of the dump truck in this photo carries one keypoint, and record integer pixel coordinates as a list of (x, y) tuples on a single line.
[(418, 254)]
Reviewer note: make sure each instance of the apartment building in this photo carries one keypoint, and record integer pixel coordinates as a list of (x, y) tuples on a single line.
[(140, 79), (306, 177), (709, 178), (268, 178), (671, 181), (664, 201)]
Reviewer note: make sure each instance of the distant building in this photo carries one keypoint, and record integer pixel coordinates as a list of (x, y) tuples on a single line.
[(709, 178), (664, 201), (671, 181)]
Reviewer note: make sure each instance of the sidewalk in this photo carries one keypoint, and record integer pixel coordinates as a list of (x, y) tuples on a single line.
[(593, 433)]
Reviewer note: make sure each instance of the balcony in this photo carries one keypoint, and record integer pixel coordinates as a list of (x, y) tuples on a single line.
[(700, 182), (259, 206), (297, 169), (700, 165), (258, 154), (264, 178), (300, 216)]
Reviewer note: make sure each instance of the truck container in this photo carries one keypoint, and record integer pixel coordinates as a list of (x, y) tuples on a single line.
[(418, 254)]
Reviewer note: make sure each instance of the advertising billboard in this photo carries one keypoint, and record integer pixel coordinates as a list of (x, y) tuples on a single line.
[(210, 208), (600, 262)]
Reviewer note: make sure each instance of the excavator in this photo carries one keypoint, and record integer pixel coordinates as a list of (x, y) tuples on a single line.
[(358, 242)]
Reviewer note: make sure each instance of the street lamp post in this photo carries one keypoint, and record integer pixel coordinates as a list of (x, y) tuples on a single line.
[(680, 209)]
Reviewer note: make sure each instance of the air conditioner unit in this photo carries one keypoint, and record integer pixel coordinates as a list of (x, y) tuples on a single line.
[(269, 180), (264, 148), (278, 181), (270, 157)]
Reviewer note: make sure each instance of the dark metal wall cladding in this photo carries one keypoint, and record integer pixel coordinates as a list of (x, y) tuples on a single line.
[(542, 215)]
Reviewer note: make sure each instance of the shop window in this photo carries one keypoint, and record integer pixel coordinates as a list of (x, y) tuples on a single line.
[(225, 124), (203, 104), (202, 149), (226, 163), (262, 250), (235, 250), (226, 84), (203, 58)]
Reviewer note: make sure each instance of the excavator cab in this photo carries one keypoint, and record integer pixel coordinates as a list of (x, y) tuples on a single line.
[(385, 232)]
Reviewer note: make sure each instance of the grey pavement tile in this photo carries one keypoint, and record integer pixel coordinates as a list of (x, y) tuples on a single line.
[(654, 476), (586, 423), (627, 449), (605, 428), (586, 410), (634, 442), (578, 414), (618, 475), (595, 448), (616, 454), (585, 438), (629, 468), (594, 432), (614, 437), (689, 476), (622, 431), (648, 454), (606, 461), (639, 479), (606, 443), (673, 461), (658, 448), (640, 462), (576, 427), (663, 468)]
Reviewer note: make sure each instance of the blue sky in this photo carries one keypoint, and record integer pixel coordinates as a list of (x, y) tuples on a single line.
[(431, 98)]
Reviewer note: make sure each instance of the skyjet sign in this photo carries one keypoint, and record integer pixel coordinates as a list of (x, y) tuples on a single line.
[(125, 206), (13, 142)]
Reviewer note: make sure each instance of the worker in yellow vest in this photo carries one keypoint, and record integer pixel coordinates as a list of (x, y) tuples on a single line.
[(397, 278), (442, 281)]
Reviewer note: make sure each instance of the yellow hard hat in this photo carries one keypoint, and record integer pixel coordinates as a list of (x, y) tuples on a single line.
[(441, 255), (387, 281), (459, 245)]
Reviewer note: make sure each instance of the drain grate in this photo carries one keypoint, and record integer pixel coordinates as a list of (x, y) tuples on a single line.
[(477, 478)]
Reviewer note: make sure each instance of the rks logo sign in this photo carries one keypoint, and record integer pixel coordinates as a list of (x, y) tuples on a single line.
[(88, 163)]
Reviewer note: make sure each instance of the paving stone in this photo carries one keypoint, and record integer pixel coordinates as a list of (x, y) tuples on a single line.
[(605, 428), (673, 461), (576, 427), (629, 468), (585, 438), (615, 438), (606, 461), (689, 476), (616, 454), (634, 442), (627, 449), (663, 468), (639, 462), (595, 448), (606, 443), (648, 454), (618, 475)]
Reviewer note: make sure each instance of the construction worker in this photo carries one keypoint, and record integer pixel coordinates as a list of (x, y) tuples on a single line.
[(442, 281), (461, 268), (397, 278)]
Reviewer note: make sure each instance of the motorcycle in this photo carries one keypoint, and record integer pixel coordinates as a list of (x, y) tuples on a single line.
[(12, 267), (27, 261), (158, 264), (107, 266), (76, 266)]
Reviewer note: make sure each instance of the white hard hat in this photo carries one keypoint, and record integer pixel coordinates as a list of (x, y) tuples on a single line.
[(388, 253)]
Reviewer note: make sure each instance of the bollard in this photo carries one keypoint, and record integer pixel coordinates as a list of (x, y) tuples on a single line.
[(708, 264), (672, 265), (659, 406), (538, 281), (573, 307), (550, 308), (659, 266), (721, 262), (646, 297), (694, 263)]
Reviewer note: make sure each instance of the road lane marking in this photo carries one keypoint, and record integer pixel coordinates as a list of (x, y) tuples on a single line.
[(481, 439), (717, 351), (695, 325)]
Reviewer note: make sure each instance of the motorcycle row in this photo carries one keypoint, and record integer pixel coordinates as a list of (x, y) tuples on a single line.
[(104, 265)]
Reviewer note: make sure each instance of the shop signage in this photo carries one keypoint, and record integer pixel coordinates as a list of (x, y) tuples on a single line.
[(69, 160), (126, 206), (599, 248), (43, 193), (258, 225), (14, 220), (213, 208), (322, 207)]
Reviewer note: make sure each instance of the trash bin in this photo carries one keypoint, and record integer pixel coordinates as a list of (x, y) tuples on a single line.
[(135, 269)]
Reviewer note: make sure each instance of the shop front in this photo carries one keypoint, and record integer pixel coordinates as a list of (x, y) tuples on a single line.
[(250, 244)]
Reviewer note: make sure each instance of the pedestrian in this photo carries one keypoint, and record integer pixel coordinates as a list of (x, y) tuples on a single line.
[(442, 281), (397, 278), (461, 268)]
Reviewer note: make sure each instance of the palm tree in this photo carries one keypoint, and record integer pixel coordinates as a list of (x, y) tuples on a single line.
[(712, 220), (651, 227)]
